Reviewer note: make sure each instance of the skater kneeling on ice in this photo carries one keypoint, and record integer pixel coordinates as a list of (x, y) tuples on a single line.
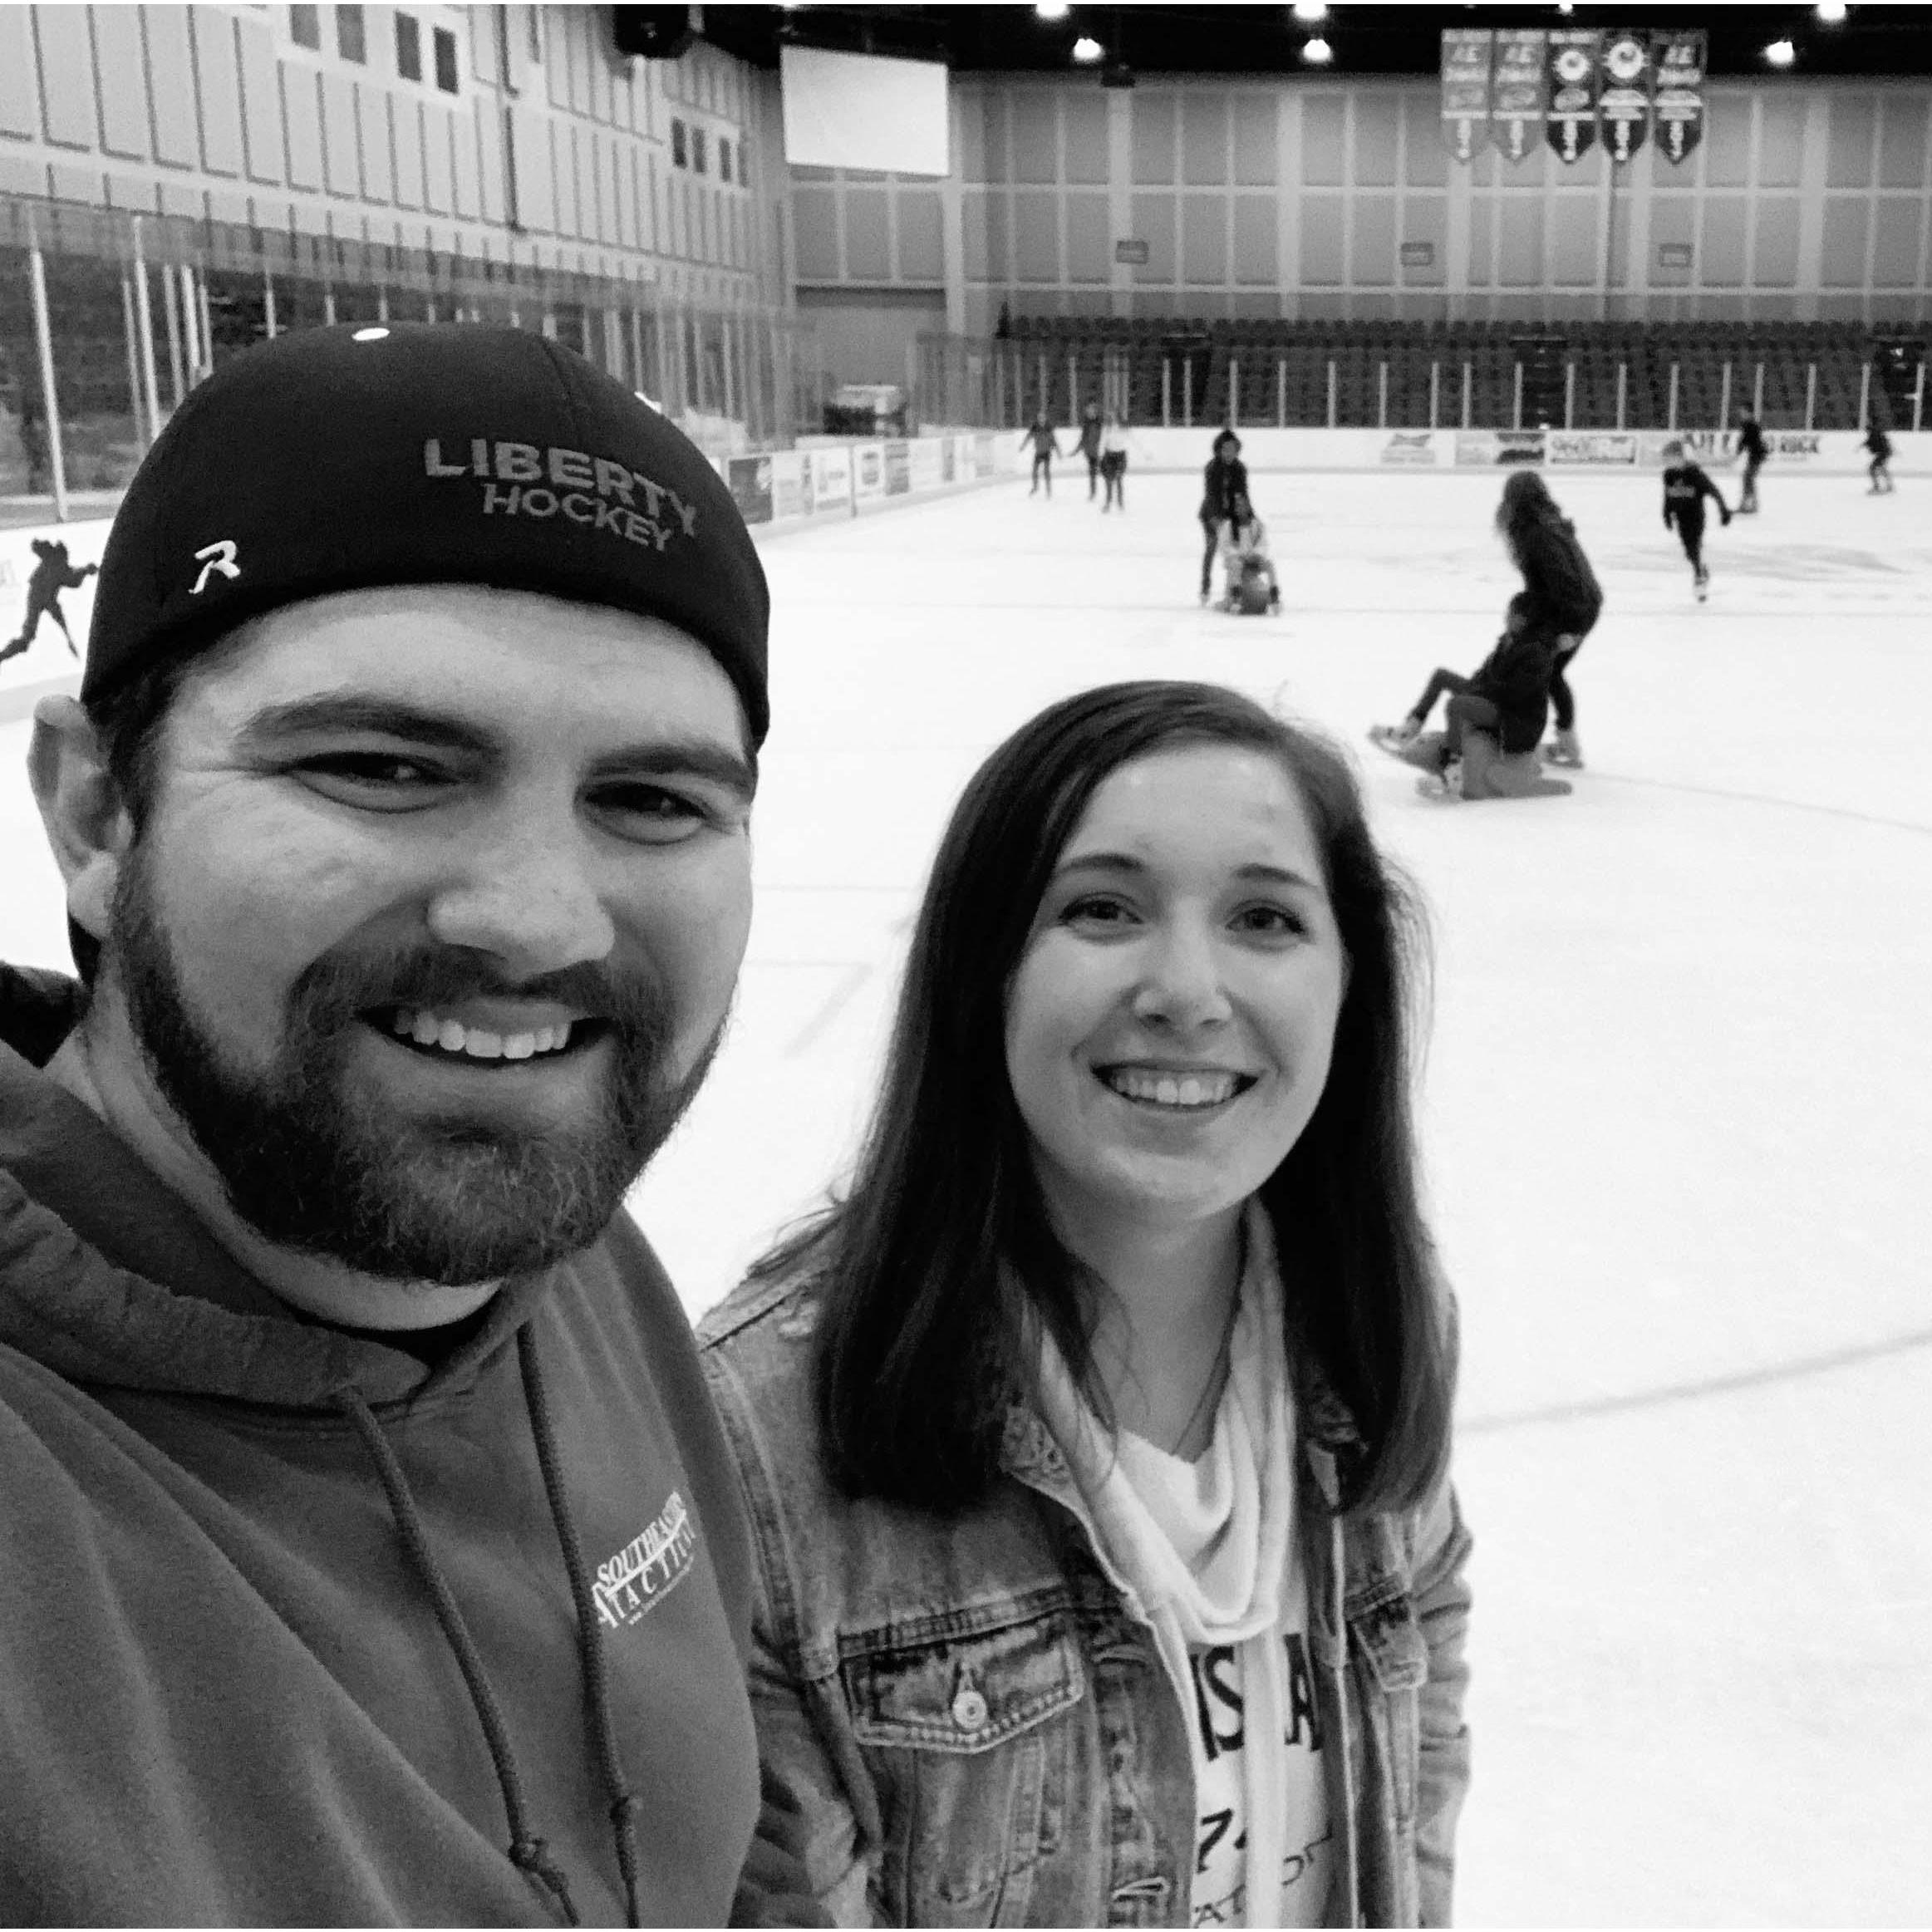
[(1685, 487), (1251, 588), (1508, 697)]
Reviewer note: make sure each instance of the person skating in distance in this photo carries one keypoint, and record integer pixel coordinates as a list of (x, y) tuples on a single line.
[(1113, 451), (1685, 487), (1039, 433), (1753, 448), (1508, 695), (1879, 469), (1091, 429), (53, 574), (1224, 479)]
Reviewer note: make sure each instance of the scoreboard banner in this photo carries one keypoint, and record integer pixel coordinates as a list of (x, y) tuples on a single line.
[(1467, 55), (1624, 100), (1519, 96), (1678, 61), (1573, 69)]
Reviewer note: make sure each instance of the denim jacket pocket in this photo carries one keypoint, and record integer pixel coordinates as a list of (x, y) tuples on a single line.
[(968, 1736)]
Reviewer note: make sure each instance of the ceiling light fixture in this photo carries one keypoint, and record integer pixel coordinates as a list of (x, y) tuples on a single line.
[(1087, 50), (1781, 53), (1832, 12), (1311, 10), (1317, 52), (1053, 9)]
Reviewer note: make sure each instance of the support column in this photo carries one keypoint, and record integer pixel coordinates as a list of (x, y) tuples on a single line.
[(171, 302), (50, 402), (268, 303), (133, 361), (144, 318)]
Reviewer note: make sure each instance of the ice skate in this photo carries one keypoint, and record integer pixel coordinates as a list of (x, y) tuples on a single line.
[(1444, 787), (12, 648), (1563, 749), (1395, 738)]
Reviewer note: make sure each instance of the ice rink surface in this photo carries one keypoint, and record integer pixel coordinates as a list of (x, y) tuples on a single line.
[(1677, 1109)]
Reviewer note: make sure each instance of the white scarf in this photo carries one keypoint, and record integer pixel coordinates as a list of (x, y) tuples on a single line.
[(1238, 1598)]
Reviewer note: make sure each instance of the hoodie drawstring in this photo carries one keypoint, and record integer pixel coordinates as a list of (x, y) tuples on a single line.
[(527, 1851), (624, 1803)]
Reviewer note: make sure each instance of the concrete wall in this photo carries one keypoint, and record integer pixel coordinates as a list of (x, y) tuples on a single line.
[(534, 140), (1339, 198)]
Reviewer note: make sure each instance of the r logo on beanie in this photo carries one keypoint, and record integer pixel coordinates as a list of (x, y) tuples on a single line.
[(334, 459)]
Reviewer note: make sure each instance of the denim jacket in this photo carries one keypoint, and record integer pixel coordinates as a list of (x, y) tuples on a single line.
[(969, 1718)]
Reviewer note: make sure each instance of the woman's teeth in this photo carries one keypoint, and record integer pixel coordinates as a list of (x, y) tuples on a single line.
[(426, 1028), (1173, 1089)]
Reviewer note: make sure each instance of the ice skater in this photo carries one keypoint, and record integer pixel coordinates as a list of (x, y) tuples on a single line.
[(1564, 599), (1113, 441), (1045, 448), (1509, 697), (1224, 479), (1685, 487), (1090, 445), (1879, 469), (1251, 584), (1753, 448), (53, 574)]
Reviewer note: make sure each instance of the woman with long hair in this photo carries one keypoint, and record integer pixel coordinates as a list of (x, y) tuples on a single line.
[(1564, 599), (1096, 1436)]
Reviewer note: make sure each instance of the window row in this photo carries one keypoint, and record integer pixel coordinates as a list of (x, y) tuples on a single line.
[(687, 150), (352, 42)]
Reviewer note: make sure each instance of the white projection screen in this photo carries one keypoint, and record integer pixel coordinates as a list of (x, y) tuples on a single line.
[(863, 111)]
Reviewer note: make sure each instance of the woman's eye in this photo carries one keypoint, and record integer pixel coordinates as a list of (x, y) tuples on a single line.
[(1097, 911), (1271, 920)]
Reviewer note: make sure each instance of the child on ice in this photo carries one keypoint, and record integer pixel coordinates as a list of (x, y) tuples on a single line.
[(1509, 697), (1251, 584), (1685, 487)]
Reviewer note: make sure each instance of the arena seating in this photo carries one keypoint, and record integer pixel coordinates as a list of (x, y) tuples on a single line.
[(1261, 371)]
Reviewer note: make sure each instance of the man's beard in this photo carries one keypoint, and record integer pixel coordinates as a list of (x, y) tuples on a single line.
[(312, 1166)]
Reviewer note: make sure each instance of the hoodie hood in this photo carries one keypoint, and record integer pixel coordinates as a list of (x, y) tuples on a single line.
[(108, 1279)]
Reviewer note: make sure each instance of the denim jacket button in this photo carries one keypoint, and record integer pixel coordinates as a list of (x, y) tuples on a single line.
[(969, 1710)]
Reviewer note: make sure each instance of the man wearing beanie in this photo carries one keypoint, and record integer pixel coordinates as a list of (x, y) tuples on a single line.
[(368, 1552)]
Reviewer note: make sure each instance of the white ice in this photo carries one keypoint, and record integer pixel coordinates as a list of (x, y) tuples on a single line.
[(1679, 1089)]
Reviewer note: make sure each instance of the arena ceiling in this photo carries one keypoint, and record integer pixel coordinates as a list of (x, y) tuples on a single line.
[(1364, 39)]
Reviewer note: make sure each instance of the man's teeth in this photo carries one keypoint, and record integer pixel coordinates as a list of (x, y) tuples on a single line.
[(1171, 1090), (426, 1028)]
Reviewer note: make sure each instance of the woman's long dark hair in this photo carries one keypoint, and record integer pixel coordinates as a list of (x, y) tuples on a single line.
[(942, 1236)]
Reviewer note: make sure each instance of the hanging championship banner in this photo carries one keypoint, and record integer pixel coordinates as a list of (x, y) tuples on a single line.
[(1678, 61), (1518, 96), (1467, 54), (1624, 101), (1573, 70)]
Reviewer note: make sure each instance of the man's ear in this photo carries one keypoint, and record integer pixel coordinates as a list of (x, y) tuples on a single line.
[(88, 826)]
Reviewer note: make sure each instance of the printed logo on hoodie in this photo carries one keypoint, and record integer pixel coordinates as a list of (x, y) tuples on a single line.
[(648, 1567)]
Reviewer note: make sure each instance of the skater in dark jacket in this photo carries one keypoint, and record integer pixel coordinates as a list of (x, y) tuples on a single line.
[(1685, 487), (1045, 448), (1224, 482), (1879, 469), (1753, 448), (1509, 697), (1090, 446), (53, 574), (1564, 599)]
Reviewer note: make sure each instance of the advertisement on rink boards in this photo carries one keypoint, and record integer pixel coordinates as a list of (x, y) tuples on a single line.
[(831, 476), (1411, 449), (1486, 448), (869, 471), (926, 463), (899, 469), (1720, 445)]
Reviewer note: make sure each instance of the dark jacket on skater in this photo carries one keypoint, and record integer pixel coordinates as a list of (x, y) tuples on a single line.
[(1685, 487), (1751, 444), (1879, 443), (1224, 483), (1564, 599), (54, 574), (1514, 677)]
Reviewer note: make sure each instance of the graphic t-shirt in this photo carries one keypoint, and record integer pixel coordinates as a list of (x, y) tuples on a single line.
[(1192, 1502)]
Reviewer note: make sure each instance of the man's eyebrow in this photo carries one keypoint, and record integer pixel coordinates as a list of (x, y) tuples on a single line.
[(348, 713)]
